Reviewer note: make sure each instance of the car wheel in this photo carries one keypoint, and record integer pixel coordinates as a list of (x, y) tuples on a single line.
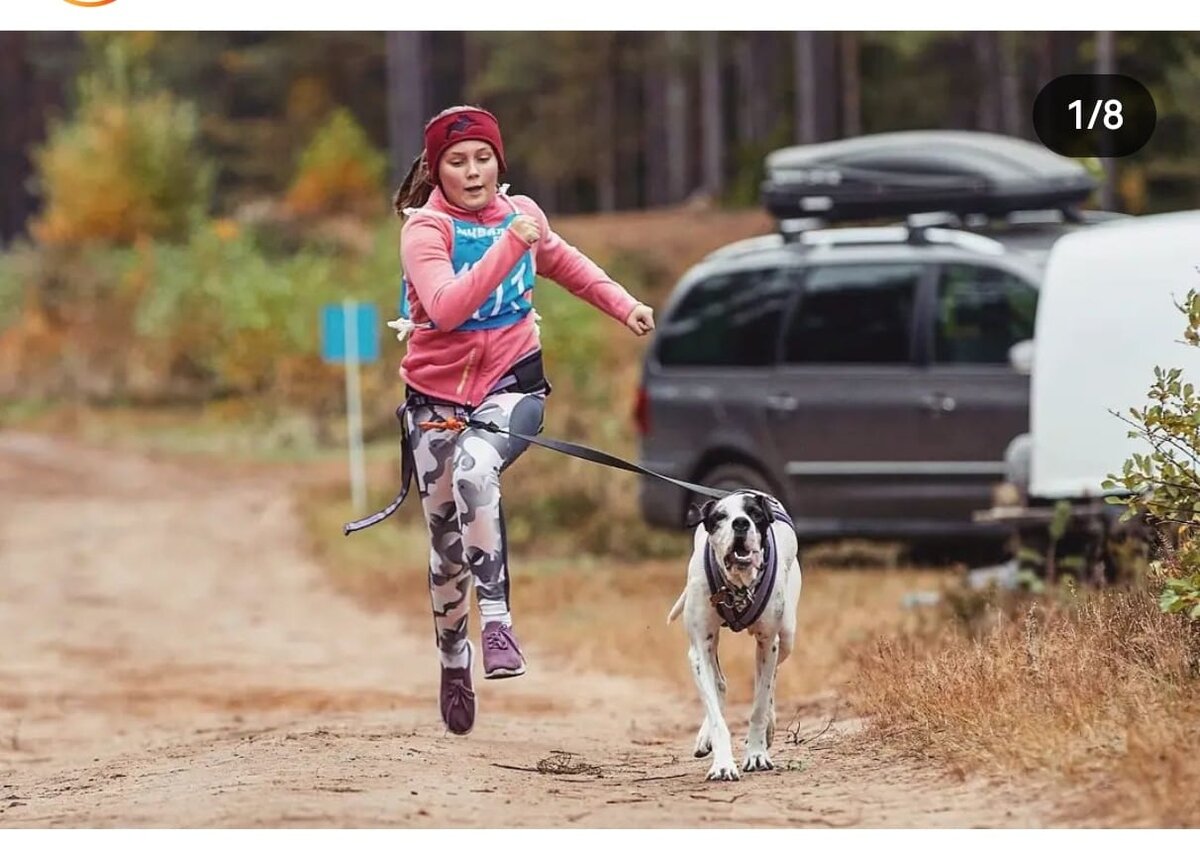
[(731, 476)]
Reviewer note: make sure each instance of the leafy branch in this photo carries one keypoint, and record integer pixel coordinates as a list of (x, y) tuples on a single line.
[(1165, 484)]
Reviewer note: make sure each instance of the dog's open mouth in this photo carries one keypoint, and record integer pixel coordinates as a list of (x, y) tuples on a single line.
[(739, 558)]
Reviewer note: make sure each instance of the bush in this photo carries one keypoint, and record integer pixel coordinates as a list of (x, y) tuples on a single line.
[(125, 166), (213, 315), (1166, 482), (339, 172)]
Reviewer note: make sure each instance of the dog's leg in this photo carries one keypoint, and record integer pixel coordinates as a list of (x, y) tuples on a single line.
[(771, 701), (787, 630), (787, 634), (701, 655), (704, 736), (764, 695)]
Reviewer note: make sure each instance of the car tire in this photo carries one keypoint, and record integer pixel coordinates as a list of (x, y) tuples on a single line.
[(731, 476)]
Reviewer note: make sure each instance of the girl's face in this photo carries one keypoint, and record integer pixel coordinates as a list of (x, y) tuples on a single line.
[(469, 174)]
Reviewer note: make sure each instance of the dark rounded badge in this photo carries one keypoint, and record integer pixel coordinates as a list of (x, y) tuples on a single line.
[(1094, 115)]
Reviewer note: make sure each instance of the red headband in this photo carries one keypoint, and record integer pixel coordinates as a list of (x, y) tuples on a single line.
[(460, 124)]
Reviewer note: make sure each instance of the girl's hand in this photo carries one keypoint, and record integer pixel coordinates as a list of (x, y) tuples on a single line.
[(641, 321), (526, 228)]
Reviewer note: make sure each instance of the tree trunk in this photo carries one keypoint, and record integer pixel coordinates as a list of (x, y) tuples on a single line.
[(711, 114), (828, 98), (805, 68), (677, 137), (656, 151), (743, 61), (408, 98), (606, 152), (1045, 59), (35, 69), (444, 54), (1106, 63), (1010, 86), (755, 62), (817, 101), (14, 120), (987, 64), (851, 85), (473, 59)]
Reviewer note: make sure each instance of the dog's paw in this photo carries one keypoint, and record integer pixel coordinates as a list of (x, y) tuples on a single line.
[(703, 742), (757, 761), (723, 771)]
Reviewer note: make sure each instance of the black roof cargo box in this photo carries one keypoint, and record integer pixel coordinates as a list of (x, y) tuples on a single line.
[(899, 173)]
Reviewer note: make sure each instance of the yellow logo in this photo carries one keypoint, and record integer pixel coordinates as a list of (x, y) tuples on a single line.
[(90, 2)]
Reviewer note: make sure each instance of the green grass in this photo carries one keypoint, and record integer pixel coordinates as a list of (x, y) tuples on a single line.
[(234, 429), (24, 411)]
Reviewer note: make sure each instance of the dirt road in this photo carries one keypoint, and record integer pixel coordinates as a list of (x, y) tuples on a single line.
[(172, 658)]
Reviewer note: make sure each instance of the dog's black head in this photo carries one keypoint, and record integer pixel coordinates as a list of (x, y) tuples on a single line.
[(737, 526), (709, 513)]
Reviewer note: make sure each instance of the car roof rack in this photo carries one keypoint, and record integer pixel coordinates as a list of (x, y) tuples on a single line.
[(935, 229), (894, 174)]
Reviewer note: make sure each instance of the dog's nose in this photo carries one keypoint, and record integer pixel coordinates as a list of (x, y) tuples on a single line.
[(741, 525)]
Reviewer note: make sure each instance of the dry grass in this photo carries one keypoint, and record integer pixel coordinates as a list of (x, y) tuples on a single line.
[(661, 244), (1102, 693), (603, 613)]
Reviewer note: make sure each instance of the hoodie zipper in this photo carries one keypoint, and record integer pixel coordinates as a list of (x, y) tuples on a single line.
[(466, 373), (485, 352), (470, 364)]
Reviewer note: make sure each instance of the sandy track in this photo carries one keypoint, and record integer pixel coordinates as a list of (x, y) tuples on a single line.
[(173, 658)]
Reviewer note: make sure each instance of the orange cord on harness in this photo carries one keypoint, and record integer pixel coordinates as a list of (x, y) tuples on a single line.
[(457, 425)]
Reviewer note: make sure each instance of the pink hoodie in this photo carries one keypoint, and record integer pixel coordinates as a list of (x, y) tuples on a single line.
[(462, 366)]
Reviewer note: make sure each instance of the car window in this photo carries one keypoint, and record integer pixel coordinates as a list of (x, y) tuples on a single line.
[(981, 312), (728, 319), (854, 314)]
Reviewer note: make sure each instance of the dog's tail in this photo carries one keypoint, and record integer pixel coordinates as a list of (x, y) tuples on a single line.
[(678, 607)]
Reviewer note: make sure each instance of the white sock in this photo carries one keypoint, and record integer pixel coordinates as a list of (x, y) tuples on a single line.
[(494, 610), (461, 659)]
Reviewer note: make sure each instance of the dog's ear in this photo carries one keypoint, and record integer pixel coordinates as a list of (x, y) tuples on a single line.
[(698, 514), (767, 513)]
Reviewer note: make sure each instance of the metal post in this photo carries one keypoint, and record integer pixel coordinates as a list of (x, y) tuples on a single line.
[(358, 475)]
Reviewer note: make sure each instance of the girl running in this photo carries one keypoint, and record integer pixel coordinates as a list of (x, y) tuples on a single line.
[(471, 255)]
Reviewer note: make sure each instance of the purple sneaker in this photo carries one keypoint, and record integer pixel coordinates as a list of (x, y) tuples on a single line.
[(501, 653), (457, 696)]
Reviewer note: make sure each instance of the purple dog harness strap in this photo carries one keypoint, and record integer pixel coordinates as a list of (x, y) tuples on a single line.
[(740, 609)]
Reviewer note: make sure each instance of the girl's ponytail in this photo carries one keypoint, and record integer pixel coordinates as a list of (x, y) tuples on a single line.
[(417, 186)]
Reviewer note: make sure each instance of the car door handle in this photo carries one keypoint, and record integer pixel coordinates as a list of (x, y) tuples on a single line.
[(938, 403), (782, 402)]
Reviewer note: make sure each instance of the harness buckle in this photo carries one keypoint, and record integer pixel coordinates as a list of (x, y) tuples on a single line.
[(455, 424)]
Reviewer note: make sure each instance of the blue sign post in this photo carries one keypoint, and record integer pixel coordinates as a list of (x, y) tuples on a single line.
[(350, 335)]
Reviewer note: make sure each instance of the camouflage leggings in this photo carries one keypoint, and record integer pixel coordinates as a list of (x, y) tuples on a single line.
[(458, 478)]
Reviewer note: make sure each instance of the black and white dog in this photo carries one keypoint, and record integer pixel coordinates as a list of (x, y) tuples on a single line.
[(743, 574)]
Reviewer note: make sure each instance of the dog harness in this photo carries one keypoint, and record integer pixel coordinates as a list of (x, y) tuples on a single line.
[(741, 607)]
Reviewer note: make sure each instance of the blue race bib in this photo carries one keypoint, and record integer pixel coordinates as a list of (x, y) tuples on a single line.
[(508, 304)]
